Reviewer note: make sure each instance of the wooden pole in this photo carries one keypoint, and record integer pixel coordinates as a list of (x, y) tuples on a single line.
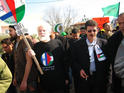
[(29, 47)]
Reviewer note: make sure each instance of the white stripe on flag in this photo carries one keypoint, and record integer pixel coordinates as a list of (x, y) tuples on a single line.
[(44, 61), (11, 19)]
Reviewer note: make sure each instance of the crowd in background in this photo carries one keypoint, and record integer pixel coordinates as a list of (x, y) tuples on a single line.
[(89, 59)]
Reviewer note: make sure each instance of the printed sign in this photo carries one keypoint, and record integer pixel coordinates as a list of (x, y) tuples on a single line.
[(101, 21)]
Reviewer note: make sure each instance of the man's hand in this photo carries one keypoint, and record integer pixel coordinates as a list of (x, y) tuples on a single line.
[(83, 74), (14, 82), (23, 86), (31, 52), (66, 82)]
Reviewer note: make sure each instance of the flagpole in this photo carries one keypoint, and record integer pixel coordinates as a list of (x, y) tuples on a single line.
[(119, 8), (29, 47)]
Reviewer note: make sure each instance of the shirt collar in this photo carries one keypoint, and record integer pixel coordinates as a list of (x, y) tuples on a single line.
[(91, 44)]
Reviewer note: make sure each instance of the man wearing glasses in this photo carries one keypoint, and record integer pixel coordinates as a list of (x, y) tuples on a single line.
[(89, 61)]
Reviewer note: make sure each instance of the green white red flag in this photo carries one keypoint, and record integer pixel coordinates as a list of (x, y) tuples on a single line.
[(12, 11)]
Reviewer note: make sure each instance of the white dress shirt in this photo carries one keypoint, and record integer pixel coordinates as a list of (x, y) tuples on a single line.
[(91, 54)]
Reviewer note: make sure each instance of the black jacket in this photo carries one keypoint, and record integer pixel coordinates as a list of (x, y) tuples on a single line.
[(113, 44), (81, 59)]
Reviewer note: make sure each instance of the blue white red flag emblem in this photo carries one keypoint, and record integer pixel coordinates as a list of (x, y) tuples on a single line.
[(47, 59)]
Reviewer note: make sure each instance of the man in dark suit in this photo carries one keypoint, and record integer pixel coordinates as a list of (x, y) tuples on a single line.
[(90, 65), (116, 52)]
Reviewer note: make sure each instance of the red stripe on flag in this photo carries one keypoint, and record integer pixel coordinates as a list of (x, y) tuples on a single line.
[(11, 5), (48, 58), (98, 55)]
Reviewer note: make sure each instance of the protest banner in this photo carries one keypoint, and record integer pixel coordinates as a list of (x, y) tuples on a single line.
[(101, 21)]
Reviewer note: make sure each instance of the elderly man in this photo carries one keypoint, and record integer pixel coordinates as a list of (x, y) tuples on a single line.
[(51, 55)]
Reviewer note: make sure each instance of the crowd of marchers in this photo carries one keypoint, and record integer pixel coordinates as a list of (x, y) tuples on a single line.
[(89, 59)]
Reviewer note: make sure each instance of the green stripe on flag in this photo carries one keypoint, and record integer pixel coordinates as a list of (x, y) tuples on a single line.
[(20, 11), (101, 56)]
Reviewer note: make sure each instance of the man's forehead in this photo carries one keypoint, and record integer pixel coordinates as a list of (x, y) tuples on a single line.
[(91, 26), (121, 17), (11, 29), (41, 27)]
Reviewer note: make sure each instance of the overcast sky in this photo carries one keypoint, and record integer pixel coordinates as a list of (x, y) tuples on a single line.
[(92, 8), (35, 9)]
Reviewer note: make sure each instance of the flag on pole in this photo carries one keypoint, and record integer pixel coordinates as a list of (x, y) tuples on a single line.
[(12, 11), (111, 10)]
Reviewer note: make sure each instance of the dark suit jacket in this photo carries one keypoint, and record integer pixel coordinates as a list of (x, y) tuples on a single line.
[(81, 60), (112, 46)]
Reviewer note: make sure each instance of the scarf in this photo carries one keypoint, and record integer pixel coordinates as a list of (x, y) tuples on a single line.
[(99, 53)]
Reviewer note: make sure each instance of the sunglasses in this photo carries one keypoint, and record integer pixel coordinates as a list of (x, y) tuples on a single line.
[(91, 31)]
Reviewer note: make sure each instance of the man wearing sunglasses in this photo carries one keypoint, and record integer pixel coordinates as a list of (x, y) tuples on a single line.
[(89, 61)]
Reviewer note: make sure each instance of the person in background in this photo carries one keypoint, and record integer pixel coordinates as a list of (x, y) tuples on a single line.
[(82, 32), (116, 55), (75, 37), (107, 31), (64, 41), (5, 76), (64, 34), (75, 34), (8, 58)]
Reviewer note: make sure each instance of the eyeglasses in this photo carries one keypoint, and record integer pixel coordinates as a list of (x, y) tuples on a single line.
[(91, 31)]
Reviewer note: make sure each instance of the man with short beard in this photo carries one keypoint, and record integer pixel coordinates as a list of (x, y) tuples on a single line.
[(25, 76)]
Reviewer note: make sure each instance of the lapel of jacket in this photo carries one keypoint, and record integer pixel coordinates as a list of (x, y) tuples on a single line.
[(85, 52)]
